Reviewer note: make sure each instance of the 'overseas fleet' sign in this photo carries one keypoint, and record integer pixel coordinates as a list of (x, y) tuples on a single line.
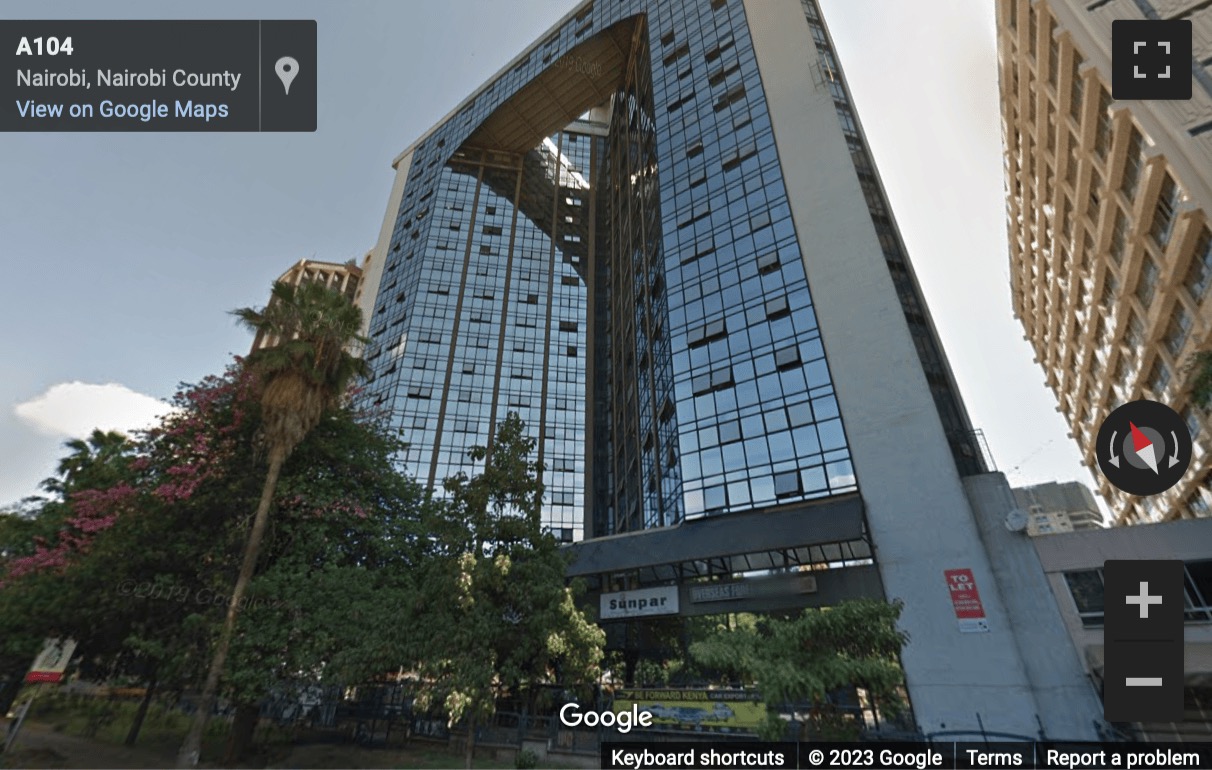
[(639, 603)]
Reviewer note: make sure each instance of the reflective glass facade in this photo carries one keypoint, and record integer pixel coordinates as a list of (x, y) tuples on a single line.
[(629, 281)]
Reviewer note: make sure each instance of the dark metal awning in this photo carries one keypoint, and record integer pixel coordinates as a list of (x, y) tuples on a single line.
[(812, 533)]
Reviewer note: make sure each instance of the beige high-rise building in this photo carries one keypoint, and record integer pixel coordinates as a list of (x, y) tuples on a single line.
[(1110, 241), (1055, 507), (343, 277)]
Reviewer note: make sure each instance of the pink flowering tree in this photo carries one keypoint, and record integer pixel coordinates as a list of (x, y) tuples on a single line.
[(139, 569), (132, 522)]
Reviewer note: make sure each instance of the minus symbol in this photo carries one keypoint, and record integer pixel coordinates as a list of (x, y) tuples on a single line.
[(1144, 681)]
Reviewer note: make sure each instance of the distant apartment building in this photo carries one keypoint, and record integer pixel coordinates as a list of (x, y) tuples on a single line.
[(1110, 246), (343, 277), (1056, 507)]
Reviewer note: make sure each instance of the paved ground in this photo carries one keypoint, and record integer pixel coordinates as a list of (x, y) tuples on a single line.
[(39, 746)]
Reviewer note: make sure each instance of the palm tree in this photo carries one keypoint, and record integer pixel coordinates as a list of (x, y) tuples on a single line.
[(94, 462), (303, 373)]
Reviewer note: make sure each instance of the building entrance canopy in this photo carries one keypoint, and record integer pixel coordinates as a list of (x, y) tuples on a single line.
[(819, 535)]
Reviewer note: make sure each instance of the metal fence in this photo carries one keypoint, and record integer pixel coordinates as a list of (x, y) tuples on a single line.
[(379, 714)]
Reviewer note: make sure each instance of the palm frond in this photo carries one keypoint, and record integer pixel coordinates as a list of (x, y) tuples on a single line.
[(310, 366)]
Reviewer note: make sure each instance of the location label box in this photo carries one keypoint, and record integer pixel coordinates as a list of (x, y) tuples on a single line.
[(158, 75)]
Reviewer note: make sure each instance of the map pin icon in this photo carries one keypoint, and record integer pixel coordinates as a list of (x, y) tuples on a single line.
[(287, 68)]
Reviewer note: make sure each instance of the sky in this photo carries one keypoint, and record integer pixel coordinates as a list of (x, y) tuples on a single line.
[(123, 252)]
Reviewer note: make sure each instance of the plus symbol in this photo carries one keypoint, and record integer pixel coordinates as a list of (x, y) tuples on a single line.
[(1144, 600)]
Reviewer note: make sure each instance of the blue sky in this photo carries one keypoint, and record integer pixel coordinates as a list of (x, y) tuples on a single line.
[(123, 252)]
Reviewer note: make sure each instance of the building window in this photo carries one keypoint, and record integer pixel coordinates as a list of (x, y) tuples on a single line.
[(1199, 275), (1102, 137), (777, 307), (1133, 164), (1147, 284), (1086, 588), (1135, 334), (678, 53), (1076, 90), (1197, 506), (1163, 215), (1159, 377), (733, 95), (1032, 30), (716, 380), (700, 335), (1110, 289), (1094, 203), (787, 357), (1119, 236), (1054, 62), (1072, 164), (768, 263), (730, 430), (1199, 588), (786, 484), (1178, 330), (1194, 422), (1121, 373)]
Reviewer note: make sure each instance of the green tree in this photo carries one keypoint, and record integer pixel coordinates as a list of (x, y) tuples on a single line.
[(806, 658), (302, 374), (133, 570), (27, 534), (495, 615), (339, 569), (138, 536), (1199, 378), (98, 462)]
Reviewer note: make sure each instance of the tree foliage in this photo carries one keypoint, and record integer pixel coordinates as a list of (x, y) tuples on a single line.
[(494, 615), (340, 564), (307, 366), (302, 371), (134, 571), (808, 658), (1199, 378), (357, 575), (140, 530)]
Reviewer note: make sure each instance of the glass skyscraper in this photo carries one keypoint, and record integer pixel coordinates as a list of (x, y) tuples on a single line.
[(601, 240), (658, 236)]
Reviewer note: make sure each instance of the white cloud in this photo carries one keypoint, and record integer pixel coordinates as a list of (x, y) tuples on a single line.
[(75, 408)]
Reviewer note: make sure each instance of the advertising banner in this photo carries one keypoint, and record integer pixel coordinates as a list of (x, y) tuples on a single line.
[(715, 710), (967, 601)]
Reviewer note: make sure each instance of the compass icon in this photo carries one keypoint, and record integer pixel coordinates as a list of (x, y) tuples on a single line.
[(1144, 447)]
